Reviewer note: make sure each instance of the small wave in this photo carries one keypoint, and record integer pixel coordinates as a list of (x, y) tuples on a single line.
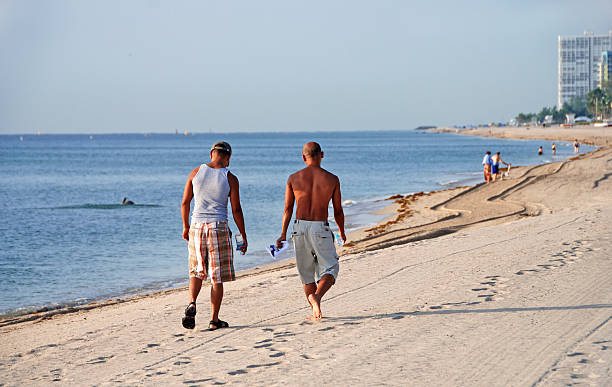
[(75, 303), (348, 203), (43, 308), (98, 206), (448, 183)]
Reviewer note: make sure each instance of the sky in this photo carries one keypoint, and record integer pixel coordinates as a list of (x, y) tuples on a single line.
[(279, 65)]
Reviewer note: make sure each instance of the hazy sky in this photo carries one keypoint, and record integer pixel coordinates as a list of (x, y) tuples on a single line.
[(279, 65)]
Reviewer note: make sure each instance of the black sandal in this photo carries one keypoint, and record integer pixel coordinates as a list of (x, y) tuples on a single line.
[(217, 324), (189, 319)]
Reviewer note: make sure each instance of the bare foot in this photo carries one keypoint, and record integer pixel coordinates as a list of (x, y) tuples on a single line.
[(315, 304)]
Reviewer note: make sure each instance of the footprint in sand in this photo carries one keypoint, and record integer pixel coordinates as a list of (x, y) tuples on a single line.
[(560, 259), (196, 381), (545, 266), (263, 365), (525, 271), (226, 349), (100, 359), (237, 372), (493, 285), (288, 276), (602, 343), (56, 374), (283, 334)]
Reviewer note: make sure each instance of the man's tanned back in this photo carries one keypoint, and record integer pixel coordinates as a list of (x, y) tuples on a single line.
[(313, 188)]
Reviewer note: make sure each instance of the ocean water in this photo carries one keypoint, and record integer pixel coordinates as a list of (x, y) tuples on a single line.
[(65, 239)]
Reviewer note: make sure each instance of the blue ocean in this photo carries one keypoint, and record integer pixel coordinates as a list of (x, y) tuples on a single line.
[(65, 238)]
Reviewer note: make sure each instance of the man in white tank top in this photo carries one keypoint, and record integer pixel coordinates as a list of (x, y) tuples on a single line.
[(210, 239)]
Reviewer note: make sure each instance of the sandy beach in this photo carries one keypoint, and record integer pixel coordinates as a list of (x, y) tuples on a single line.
[(496, 284)]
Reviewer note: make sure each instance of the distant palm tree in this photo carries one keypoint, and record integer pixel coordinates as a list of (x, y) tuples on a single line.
[(596, 102)]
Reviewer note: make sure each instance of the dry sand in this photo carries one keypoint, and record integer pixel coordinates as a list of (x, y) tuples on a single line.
[(516, 291)]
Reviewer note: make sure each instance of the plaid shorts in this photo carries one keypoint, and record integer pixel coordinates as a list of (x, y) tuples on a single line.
[(211, 252)]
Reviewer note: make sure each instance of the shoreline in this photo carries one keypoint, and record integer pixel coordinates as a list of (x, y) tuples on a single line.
[(521, 298), (48, 314), (394, 213), (585, 134), (425, 215)]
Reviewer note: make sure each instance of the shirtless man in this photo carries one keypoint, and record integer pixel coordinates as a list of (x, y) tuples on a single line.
[(496, 159), (312, 188)]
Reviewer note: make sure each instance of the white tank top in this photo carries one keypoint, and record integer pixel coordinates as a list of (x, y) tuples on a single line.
[(210, 193)]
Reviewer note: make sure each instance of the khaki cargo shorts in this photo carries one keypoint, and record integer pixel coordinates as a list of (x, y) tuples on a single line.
[(315, 253)]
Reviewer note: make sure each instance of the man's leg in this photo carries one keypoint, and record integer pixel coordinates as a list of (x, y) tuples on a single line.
[(314, 293), (216, 296), (310, 289), (195, 284)]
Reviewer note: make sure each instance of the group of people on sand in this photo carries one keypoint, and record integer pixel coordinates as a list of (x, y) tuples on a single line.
[(491, 166), (209, 238)]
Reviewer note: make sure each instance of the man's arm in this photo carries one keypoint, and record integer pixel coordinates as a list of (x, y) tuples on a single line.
[(338, 212), (237, 208), (287, 213), (186, 203)]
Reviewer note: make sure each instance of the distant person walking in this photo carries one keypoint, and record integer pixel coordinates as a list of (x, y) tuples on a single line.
[(576, 145), (487, 163), (496, 159), (312, 188), (554, 149), (540, 151), (210, 239)]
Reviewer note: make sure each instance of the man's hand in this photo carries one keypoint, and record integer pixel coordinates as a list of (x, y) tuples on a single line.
[(279, 241), (243, 248), (186, 233)]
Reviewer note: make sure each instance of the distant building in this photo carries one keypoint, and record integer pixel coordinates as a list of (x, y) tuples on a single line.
[(605, 68), (579, 60)]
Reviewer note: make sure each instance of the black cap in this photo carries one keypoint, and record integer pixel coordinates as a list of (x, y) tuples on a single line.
[(222, 146)]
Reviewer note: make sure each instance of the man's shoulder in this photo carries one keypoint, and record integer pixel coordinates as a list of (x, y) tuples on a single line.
[(329, 175), (195, 171), (298, 174), (295, 175)]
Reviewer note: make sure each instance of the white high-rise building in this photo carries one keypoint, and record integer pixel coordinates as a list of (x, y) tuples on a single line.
[(579, 58)]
